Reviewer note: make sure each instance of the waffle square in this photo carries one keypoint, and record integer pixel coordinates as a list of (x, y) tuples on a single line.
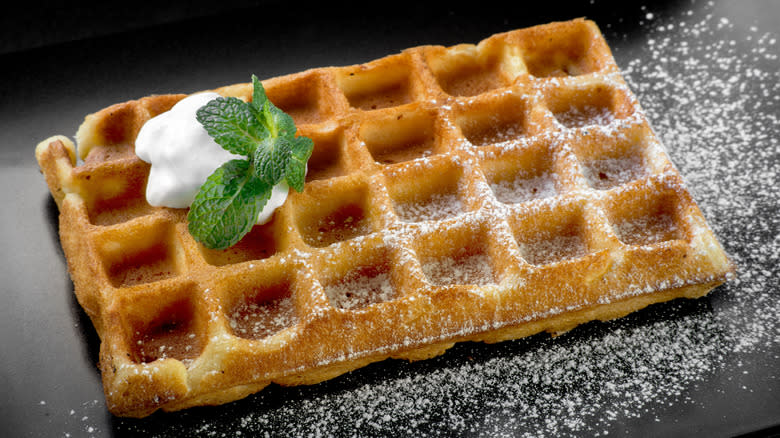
[(468, 193)]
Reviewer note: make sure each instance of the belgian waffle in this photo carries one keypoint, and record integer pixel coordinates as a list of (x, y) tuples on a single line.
[(467, 193)]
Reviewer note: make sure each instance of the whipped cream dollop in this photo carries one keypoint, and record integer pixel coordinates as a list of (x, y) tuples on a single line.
[(183, 155)]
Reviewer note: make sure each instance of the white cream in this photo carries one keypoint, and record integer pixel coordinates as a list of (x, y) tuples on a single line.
[(183, 155)]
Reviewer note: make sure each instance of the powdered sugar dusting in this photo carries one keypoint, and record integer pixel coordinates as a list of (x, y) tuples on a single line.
[(258, 320), (715, 106), (609, 172), (468, 269), (437, 206), (360, 288), (646, 230), (587, 115), (524, 188), (549, 249)]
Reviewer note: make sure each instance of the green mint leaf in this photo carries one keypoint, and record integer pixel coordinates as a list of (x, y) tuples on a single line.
[(296, 165), (226, 207), (279, 123), (259, 98), (232, 125), (228, 203), (271, 159)]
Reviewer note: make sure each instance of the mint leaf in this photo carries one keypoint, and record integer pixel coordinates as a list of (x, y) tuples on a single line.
[(226, 207), (271, 159), (259, 98), (228, 203), (232, 124), (296, 166), (279, 123)]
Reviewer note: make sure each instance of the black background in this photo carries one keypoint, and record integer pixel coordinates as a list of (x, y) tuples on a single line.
[(60, 63)]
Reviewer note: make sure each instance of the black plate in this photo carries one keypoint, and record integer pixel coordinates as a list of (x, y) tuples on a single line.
[(707, 75)]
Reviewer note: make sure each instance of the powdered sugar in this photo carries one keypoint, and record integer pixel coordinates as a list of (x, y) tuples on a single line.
[(609, 172), (360, 288), (438, 206), (587, 115), (715, 106), (257, 320), (548, 249), (524, 188), (467, 269), (646, 230)]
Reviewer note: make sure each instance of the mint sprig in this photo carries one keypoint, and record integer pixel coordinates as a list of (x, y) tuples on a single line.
[(228, 203)]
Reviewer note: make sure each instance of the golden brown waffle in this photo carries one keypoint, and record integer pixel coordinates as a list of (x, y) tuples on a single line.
[(476, 192)]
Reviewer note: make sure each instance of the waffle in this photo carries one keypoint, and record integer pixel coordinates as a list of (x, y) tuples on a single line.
[(468, 193)]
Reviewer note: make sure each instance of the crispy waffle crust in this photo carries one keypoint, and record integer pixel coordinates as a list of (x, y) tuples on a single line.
[(468, 193)]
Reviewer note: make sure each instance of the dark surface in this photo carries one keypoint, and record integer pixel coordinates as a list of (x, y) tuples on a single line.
[(48, 377)]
